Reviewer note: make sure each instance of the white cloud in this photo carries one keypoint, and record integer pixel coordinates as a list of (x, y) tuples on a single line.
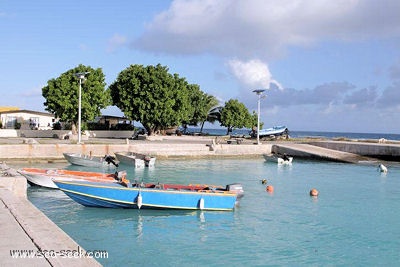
[(254, 32), (253, 73), (116, 41), (264, 29)]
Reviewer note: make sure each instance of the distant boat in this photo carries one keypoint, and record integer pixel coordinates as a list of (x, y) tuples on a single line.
[(44, 177), (130, 158), (90, 161), (136, 159), (278, 158), (151, 196), (273, 131)]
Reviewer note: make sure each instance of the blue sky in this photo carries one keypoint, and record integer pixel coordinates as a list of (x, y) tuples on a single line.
[(327, 65)]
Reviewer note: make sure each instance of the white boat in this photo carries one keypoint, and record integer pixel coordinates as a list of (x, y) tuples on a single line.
[(274, 131), (44, 177), (133, 158), (130, 158), (278, 159), (91, 161)]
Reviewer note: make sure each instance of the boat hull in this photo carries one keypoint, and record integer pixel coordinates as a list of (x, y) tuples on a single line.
[(87, 161), (44, 177), (118, 196), (273, 131), (276, 159), (135, 159), (130, 158)]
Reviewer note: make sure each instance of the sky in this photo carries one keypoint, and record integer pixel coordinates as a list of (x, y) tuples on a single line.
[(325, 65)]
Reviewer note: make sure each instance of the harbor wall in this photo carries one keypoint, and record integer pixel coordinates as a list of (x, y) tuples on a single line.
[(385, 151), (184, 147), (17, 185), (27, 229), (55, 151)]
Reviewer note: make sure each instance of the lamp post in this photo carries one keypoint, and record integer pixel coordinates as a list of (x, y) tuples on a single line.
[(81, 76), (259, 93)]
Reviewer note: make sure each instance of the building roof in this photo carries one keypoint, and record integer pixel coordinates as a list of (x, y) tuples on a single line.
[(2, 109), (27, 111)]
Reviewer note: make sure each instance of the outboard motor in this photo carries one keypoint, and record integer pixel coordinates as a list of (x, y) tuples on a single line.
[(237, 188), (110, 159), (121, 174)]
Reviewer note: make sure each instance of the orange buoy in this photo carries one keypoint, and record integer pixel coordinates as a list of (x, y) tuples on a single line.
[(270, 188), (314, 192)]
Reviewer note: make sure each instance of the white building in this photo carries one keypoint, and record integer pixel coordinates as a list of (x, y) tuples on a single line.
[(27, 119)]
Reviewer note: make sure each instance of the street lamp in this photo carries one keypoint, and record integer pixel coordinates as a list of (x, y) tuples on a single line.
[(259, 93), (81, 76)]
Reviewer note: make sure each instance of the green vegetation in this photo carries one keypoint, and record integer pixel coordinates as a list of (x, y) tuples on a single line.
[(200, 103), (235, 115), (160, 101), (62, 95)]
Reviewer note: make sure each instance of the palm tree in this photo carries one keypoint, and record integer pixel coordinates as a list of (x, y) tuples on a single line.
[(213, 115)]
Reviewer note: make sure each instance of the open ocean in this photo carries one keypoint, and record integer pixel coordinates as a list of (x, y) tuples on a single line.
[(300, 134), (353, 222)]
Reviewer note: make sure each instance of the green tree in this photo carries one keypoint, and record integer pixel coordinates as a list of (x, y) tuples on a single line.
[(200, 103), (151, 95), (62, 94), (254, 121), (214, 114), (235, 115)]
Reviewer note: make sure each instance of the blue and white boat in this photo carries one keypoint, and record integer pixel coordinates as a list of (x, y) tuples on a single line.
[(151, 196), (274, 131)]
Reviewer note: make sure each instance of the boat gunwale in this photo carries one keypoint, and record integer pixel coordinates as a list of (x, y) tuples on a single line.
[(158, 190)]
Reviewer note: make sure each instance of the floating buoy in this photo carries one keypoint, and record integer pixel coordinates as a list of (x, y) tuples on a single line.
[(382, 168), (314, 192), (264, 181), (270, 188), (139, 200), (201, 203)]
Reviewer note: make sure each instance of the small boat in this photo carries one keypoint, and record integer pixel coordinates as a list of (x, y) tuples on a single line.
[(382, 168), (273, 131), (44, 177), (91, 161), (151, 196), (284, 159), (136, 159)]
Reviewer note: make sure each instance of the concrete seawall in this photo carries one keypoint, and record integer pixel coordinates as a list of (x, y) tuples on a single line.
[(28, 237), (384, 151), (319, 153), (175, 147), (187, 146)]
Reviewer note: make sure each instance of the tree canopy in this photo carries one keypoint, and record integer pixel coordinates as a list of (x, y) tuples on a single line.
[(158, 99), (62, 94), (201, 104), (235, 115)]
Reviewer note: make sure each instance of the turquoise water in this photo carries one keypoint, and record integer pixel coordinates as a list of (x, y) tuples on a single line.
[(355, 221)]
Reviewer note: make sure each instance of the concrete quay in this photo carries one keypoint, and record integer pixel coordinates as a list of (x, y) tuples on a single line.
[(50, 149), (319, 153), (163, 147), (389, 151), (28, 237)]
